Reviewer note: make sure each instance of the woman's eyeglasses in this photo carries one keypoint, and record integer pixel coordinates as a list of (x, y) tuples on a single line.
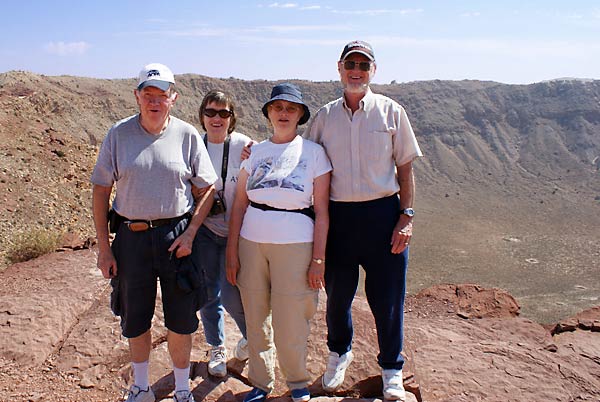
[(291, 109), (362, 65), (223, 113)]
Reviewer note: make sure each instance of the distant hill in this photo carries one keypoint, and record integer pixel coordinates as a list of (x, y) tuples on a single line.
[(501, 161)]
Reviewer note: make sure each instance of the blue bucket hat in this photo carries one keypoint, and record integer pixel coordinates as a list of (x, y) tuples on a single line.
[(291, 93)]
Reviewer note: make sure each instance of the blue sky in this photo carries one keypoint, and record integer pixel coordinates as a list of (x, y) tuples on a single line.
[(506, 41)]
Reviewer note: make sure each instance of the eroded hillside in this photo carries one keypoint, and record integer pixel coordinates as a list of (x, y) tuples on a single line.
[(508, 193)]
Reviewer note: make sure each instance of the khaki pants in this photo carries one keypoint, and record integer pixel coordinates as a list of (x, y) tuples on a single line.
[(278, 305)]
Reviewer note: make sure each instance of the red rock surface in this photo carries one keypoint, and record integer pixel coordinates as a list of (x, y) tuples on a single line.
[(463, 343)]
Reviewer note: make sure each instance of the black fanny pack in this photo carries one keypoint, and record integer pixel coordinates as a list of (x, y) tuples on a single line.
[(310, 211)]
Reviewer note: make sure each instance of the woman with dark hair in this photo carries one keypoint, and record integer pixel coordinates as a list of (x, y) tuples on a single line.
[(276, 247), (224, 145)]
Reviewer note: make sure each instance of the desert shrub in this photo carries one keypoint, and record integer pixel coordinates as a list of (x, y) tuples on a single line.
[(32, 244)]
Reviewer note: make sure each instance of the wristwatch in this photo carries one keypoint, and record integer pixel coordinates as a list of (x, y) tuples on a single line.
[(318, 261), (408, 212)]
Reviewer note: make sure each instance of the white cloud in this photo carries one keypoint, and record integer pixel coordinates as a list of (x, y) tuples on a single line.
[(283, 5), (302, 28), (471, 14), (517, 49), (574, 16), (242, 33), (376, 12), (310, 8), (63, 48)]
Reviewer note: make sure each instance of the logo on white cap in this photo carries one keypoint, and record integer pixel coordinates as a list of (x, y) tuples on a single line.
[(156, 75)]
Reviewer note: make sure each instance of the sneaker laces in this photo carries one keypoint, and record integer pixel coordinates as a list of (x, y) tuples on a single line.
[(183, 396), (217, 353), (134, 391)]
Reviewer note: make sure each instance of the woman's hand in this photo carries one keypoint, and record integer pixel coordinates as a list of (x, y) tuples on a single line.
[(316, 275), (232, 265)]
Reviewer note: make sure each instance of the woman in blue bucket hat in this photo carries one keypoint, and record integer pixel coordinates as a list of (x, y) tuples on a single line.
[(276, 247)]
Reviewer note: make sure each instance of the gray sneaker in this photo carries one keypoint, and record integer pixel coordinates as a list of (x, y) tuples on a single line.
[(183, 396), (336, 370), (241, 350), (217, 365), (393, 388), (136, 394)]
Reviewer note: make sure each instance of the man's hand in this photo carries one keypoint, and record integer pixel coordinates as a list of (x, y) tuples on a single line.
[(107, 264), (183, 244), (246, 151), (402, 234)]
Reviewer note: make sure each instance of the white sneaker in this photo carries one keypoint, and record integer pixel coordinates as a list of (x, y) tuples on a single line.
[(136, 394), (336, 370), (393, 388), (183, 396), (241, 350), (217, 365)]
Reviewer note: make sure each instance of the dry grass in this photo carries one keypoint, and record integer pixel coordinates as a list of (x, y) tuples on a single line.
[(32, 244)]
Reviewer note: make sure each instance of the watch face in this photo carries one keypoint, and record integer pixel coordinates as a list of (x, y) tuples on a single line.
[(409, 212)]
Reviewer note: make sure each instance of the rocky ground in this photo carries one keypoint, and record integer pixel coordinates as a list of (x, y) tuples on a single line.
[(507, 197), (463, 343)]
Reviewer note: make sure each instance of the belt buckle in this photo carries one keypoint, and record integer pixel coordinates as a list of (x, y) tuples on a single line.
[(138, 226)]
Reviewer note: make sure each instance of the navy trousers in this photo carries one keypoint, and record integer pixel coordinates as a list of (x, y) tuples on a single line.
[(360, 234)]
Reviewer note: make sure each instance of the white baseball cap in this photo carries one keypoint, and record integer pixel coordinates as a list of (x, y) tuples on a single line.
[(156, 75)]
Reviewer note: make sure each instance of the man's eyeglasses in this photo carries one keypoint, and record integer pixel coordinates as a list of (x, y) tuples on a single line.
[(362, 65), (151, 98), (223, 113)]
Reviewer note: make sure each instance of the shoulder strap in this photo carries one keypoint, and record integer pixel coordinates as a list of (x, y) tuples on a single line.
[(225, 160)]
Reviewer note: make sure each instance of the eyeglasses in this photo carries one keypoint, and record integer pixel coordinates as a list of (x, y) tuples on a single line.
[(152, 98), (280, 108), (223, 113), (362, 65)]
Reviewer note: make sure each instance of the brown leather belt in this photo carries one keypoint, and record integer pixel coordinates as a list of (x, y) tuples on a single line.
[(140, 225)]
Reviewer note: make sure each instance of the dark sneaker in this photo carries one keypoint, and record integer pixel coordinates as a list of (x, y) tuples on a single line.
[(301, 395), (256, 395)]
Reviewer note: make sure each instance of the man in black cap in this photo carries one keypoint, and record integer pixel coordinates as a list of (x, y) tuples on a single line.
[(371, 145)]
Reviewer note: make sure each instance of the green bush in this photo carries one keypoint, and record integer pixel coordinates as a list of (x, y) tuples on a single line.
[(32, 244)]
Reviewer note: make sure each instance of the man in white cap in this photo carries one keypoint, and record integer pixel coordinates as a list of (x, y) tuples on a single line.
[(371, 145), (157, 163)]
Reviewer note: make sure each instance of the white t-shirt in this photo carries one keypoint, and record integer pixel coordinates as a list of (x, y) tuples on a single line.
[(219, 224), (281, 176)]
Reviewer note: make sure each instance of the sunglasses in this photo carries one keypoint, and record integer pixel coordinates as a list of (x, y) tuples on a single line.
[(362, 65), (223, 113)]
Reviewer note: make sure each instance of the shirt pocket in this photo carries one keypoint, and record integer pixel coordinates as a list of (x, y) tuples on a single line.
[(378, 145)]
